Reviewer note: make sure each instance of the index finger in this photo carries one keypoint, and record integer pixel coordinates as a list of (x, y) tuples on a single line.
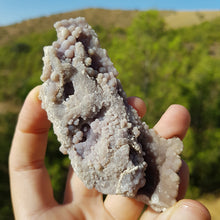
[(29, 181)]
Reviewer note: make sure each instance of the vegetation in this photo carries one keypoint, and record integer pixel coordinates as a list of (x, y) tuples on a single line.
[(161, 65)]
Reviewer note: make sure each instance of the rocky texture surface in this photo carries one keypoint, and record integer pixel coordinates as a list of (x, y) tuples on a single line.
[(108, 145)]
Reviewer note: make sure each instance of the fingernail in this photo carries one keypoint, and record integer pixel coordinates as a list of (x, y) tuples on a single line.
[(184, 212)]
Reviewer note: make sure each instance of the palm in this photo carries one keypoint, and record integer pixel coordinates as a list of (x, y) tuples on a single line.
[(31, 190)]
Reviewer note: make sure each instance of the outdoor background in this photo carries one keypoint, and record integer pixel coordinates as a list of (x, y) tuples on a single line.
[(164, 57)]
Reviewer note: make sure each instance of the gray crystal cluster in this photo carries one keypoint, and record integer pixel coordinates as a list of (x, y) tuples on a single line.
[(110, 148)]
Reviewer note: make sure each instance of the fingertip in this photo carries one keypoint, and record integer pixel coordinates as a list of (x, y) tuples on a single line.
[(182, 210), (183, 111), (174, 122), (35, 94), (32, 117), (189, 209), (138, 104), (119, 207)]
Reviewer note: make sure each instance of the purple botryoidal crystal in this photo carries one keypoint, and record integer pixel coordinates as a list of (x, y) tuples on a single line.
[(110, 148)]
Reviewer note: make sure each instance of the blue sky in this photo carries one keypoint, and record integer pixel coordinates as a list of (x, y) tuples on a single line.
[(13, 11)]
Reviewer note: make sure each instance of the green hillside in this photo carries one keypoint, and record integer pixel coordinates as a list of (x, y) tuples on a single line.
[(105, 18), (162, 65)]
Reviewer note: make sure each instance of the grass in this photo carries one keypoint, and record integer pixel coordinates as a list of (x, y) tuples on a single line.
[(189, 18), (9, 106)]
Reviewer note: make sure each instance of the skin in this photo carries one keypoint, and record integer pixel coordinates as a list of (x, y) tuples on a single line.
[(31, 190)]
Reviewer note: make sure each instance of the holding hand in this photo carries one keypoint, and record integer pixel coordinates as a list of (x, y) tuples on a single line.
[(31, 189)]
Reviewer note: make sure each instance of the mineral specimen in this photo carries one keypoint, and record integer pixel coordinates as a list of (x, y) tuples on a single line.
[(110, 148)]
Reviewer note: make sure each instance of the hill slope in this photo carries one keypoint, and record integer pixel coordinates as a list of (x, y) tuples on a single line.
[(189, 18), (94, 17), (103, 17)]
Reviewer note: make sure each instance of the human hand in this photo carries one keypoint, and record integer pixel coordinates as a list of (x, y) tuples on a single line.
[(31, 190)]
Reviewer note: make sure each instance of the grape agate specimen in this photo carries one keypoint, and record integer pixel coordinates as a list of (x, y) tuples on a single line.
[(110, 148)]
